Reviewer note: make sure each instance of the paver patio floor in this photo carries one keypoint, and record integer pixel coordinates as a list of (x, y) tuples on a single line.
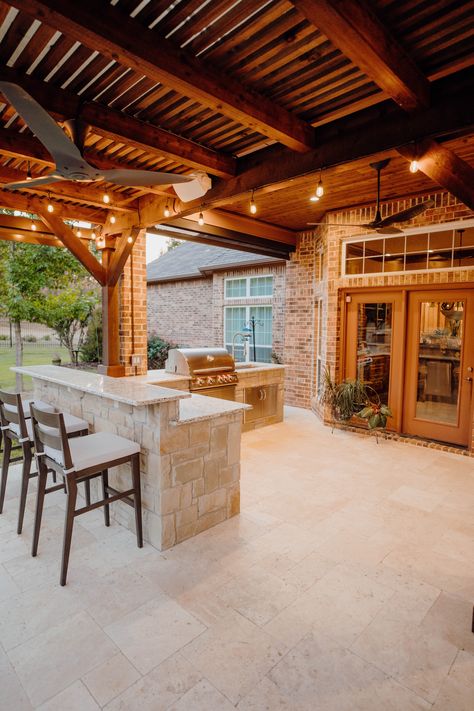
[(347, 582)]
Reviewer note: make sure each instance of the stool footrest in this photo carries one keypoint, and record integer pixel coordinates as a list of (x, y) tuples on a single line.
[(97, 504), (111, 490)]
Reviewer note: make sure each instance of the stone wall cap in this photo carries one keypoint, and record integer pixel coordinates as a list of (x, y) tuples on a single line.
[(120, 389), (202, 407)]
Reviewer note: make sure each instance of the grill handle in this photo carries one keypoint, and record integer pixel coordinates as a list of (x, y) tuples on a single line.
[(206, 371)]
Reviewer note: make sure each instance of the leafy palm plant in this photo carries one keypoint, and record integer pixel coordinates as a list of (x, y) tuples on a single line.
[(354, 397)]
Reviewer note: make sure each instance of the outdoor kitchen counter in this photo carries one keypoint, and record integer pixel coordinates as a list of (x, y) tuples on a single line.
[(263, 386), (190, 453)]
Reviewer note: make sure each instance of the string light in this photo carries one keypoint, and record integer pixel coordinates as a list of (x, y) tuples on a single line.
[(320, 187), (166, 211), (106, 198), (414, 166), (253, 206), (201, 219), (130, 239), (93, 235), (50, 205), (314, 198), (79, 233), (113, 219), (28, 172), (33, 227)]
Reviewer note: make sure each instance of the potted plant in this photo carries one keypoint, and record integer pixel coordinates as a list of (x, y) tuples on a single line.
[(354, 398)]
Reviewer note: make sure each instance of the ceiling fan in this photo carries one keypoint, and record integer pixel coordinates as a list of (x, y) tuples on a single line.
[(67, 153), (384, 226)]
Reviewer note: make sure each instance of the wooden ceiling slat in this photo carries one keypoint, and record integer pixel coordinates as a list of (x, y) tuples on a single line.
[(15, 33), (35, 47)]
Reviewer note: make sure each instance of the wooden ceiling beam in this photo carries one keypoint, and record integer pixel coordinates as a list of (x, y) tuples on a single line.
[(113, 124), (125, 40), (345, 141), (444, 167), (123, 249), (354, 28), (18, 201)]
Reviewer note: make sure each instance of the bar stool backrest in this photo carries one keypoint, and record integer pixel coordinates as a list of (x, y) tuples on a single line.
[(11, 412), (50, 437)]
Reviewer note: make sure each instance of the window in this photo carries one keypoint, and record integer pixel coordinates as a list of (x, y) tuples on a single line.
[(445, 247), (243, 288), (237, 318), (319, 348)]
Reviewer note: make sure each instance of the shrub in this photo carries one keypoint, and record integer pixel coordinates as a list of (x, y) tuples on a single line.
[(158, 352), (46, 338), (30, 339), (3, 337), (91, 349)]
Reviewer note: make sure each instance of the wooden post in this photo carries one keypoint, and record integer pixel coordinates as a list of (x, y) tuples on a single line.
[(110, 320)]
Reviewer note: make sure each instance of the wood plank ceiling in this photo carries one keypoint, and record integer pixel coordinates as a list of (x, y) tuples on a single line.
[(276, 78)]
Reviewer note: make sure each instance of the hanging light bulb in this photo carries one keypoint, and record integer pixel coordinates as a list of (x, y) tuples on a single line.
[(106, 198), (201, 219), (314, 198), (320, 188), (166, 211), (414, 166), (93, 235), (113, 219), (78, 233), (33, 227), (50, 207), (253, 206), (130, 239), (28, 172)]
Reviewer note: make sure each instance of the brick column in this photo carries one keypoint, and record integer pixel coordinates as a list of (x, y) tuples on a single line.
[(133, 322)]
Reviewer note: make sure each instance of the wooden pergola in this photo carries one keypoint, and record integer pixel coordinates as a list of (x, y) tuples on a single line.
[(260, 95)]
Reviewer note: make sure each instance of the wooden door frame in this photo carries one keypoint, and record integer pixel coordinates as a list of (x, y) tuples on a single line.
[(405, 289)]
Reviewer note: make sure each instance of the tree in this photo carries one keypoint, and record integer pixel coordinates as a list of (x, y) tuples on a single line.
[(45, 285)]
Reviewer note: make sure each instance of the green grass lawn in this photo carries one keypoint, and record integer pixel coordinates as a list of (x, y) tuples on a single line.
[(32, 355)]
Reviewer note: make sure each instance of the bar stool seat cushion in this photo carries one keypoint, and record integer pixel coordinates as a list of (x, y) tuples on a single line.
[(26, 407), (73, 425), (95, 450)]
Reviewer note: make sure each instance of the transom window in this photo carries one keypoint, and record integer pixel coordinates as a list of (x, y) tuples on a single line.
[(443, 247), (237, 318), (246, 287)]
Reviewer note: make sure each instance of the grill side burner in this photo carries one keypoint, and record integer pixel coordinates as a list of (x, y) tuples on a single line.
[(208, 368)]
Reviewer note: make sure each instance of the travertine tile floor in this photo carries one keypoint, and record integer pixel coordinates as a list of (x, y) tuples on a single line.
[(346, 583)]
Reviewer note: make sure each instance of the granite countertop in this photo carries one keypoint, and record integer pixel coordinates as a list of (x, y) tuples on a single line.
[(120, 389), (254, 367), (155, 377), (203, 407)]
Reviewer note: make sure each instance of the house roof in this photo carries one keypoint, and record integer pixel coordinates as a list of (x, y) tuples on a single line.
[(191, 260)]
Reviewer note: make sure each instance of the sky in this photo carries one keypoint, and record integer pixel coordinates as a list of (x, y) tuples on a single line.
[(155, 245)]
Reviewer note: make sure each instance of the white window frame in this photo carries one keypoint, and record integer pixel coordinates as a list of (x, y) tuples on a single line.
[(247, 287), (247, 308), (369, 237), (319, 349)]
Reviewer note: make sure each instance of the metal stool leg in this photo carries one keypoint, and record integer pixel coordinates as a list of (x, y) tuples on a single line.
[(25, 480), (42, 480), (105, 495), (7, 448), (71, 486)]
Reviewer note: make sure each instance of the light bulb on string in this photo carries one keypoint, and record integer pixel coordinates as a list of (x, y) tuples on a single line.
[(201, 219), (33, 227), (106, 198), (414, 166), (113, 219), (320, 187), (253, 206), (28, 172), (50, 207), (78, 233), (166, 211), (129, 239), (93, 235)]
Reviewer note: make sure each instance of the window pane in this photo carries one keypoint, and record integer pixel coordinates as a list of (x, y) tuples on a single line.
[(394, 263), (374, 342), (374, 248), (464, 237), (235, 320), (417, 243), (235, 288), (441, 240), (394, 245), (354, 249), (354, 266), (263, 325), (415, 261), (373, 265), (439, 260), (261, 286)]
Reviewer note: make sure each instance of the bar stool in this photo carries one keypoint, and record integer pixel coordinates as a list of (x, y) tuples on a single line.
[(16, 427), (81, 460)]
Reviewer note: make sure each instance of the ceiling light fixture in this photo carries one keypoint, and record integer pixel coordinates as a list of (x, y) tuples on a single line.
[(201, 219), (78, 233), (50, 205), (106, 198), (28, 172), (130, 239), (320, 187), (414, 166), (113, 219), (253, 206), (33, 227), (166, 211)]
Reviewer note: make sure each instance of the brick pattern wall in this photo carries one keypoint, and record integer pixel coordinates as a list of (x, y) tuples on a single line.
[(133, 298), (304, 287), (191, 312), (181, 311)]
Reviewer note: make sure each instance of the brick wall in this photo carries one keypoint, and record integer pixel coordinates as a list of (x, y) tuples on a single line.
[(133, 298), (181, 311), (304, 286), (191, 312)]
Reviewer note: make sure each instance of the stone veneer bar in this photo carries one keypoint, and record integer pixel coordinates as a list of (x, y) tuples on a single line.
[(190, 447)]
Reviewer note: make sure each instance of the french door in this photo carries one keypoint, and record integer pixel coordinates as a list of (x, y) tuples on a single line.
[(416, 350), (439, 365)]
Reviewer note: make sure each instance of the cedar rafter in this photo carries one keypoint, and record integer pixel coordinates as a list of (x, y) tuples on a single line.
[(354, 28), (114, 34)]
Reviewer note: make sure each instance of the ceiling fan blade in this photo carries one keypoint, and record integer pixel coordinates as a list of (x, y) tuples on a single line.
[(407, 214), (388, 231), (143, 177), (42, 180), (42, 125), (338, 224)]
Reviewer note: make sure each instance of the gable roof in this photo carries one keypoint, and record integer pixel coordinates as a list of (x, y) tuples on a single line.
[(191, 260)]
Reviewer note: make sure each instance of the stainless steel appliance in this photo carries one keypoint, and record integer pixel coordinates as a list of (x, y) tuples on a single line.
[(212, 370)]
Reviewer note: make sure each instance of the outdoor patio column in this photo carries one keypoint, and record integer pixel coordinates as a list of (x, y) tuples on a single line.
[(133, 316), (111, 361)]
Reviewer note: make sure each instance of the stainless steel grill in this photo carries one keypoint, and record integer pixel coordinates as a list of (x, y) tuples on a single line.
[(212, 370)]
